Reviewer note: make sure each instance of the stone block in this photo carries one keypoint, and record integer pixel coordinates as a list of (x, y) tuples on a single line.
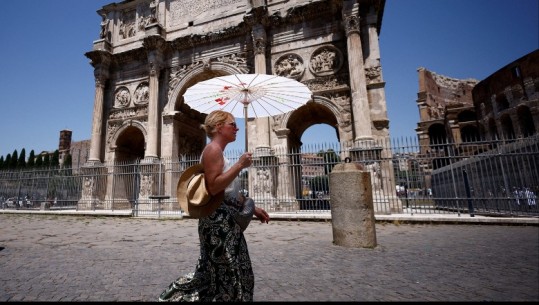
[(352, 210)]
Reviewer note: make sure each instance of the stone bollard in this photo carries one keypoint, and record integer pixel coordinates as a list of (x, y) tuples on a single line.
[(352, 212)]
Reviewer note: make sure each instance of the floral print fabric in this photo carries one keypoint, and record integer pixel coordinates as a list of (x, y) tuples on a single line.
[(223, 271)]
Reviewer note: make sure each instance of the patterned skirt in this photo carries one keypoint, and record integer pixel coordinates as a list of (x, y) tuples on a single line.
[(223, 271)]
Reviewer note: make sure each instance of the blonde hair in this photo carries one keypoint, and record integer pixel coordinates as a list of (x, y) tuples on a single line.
[(213, 119)]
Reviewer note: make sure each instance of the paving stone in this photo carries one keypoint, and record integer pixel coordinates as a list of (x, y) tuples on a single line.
[(89, 258)]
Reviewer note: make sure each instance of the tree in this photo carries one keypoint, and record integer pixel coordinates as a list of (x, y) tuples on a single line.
[(7, 162), (47, 160), (21, 162), (66, 165), (39, 161), (330, 160), (55, 161), (14, 159), (68, 160), (1, 162), (31, 159), (319, 184)]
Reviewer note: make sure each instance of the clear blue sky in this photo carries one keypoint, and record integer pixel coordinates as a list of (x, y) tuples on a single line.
[(47, 83)]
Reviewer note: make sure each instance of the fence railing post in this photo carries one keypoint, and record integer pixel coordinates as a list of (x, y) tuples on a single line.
[(468, 193)]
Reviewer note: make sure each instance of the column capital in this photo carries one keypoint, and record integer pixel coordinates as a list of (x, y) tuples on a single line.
[(154, 45), (351, 25), (155, 65), (154, 42), (350, 16), (259, 39), (100, 60)]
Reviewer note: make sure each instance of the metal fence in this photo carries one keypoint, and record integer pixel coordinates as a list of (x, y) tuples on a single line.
[(490, 178)]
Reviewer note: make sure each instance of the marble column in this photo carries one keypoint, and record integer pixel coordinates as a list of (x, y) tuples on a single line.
[(97, 122), (262, 124), (101, 63), (259, 43), (360, 101), (153, 105), (262, 151), (93, 190), (155, 62)]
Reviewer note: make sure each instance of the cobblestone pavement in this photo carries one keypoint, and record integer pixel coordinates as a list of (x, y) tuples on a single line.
[(100, 258)]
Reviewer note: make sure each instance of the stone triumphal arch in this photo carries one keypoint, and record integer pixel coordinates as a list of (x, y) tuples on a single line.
[(149, 52)]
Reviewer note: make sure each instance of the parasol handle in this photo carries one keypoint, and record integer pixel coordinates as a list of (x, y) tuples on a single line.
[(245, 116)]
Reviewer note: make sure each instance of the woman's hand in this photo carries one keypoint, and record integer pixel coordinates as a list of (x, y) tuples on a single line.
[(262, 215), (245, 160)]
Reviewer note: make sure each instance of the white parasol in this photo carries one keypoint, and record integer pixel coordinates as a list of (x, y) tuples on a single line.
[(248, 95)]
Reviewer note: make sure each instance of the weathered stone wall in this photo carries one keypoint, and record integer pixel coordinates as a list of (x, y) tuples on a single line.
[(511, 92)]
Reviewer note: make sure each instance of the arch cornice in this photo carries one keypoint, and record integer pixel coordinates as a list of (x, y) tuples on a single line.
[(214, 67)]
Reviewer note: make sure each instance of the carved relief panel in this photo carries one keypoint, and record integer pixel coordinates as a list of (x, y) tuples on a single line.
[(136, 112), (263, 183), (238, 60), (142, 94), (373, 74), (135, 19), (177, 73), (111, 131), (122, 97), (146, 184), (89, 188), (128, 104), (127, 24), (147, 14), (326, 60), (289, 65)]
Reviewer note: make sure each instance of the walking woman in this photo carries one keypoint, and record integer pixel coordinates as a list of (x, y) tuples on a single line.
[(223, 271)]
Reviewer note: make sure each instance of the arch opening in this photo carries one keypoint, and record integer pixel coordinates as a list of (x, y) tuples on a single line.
[(130, 145)]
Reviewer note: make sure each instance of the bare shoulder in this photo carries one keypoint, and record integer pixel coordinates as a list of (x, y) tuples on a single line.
[(212, 151), (213, 162), (213, 154)]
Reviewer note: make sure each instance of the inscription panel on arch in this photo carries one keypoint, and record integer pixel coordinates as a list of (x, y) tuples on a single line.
[(183, 11)]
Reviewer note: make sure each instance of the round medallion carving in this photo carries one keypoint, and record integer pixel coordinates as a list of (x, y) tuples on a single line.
[(289, 65), (326, 60), (142, 94), (122, 97)]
